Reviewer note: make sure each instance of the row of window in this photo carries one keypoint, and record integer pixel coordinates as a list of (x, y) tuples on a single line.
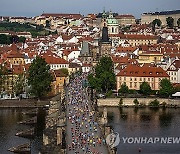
[(172, 73), (140, 79), (58, 66)]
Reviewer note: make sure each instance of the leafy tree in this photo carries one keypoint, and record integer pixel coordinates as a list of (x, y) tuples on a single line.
[(136, 102), (124, 89), (3, 72), (20, 84), (157, 22), (39, 77), (64, 71), (22, 39), (178, 22), (145, 88), (154, 103), (104, 78), (170, 22), (120, 102), (47, 23), (166, 88)]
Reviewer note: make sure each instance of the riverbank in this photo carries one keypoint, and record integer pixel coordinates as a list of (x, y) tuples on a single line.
[(129, 101), (24, 103)]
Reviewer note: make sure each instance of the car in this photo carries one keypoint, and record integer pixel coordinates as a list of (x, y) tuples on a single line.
[(101, 96)]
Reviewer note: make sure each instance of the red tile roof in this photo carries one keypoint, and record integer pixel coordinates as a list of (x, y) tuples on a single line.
[(144, 71)]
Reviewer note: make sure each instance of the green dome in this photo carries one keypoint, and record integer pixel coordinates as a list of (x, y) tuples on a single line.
[(111, 20)]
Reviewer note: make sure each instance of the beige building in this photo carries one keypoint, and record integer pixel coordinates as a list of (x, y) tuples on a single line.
[(126, 19), (133, 39), (147, 18), (150, 57), (133, 76)]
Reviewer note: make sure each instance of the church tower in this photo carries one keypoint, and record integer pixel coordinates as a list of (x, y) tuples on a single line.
[(112, 24), (105, 43)]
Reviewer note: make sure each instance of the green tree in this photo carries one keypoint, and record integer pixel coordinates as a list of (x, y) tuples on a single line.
[(170, 22), (39, 77), (124, 89), (136, 102), (157, 22), (178, 22), (20, 84), (3, 72), (154, 103), (166, 88), (145, 88), (120, 102), (104, 78), (47, 23), (22, 39), (64, 71)]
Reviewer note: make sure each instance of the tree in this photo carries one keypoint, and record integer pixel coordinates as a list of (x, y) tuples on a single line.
[(156, 22), (47, 23), (64, 71), (178, 22), (3, 72), (136, 102), (120, 102), (166, 88), (104, 78), (39, 77), (154, 103), (20, 84), (124, 89), (170, 22), (145, 88)]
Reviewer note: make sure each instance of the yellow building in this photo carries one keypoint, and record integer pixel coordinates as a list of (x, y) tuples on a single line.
[(60, 79), (133, 76), (150, 57)]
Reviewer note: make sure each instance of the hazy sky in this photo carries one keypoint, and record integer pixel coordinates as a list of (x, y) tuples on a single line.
[(36, 7)]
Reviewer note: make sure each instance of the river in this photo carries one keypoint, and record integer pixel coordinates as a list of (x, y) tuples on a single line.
[(9, 127), (131, 123)]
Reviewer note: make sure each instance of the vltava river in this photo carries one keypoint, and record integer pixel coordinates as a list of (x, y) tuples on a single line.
[(9, 127), (145, 122)]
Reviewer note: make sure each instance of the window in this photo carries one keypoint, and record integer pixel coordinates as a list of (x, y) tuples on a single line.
[(130, 79), (130, 84), (125, 78), (135, 84), (140, 79), (135, 79), (144, 79), (152, 79), (148, 79)]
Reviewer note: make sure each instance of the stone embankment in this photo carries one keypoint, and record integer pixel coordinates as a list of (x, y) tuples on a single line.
[(129, 101), (24, 103), (54, 133)]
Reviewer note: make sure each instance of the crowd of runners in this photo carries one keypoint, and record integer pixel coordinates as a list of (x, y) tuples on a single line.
[(84, 136)]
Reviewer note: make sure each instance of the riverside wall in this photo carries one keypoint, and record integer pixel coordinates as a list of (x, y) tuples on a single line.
[(129, 101)]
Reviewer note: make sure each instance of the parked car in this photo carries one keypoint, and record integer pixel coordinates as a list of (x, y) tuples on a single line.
[(101, 96)]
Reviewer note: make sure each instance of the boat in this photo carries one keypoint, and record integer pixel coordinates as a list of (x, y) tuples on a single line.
[(30, 121), (26, 133), (21, 149)]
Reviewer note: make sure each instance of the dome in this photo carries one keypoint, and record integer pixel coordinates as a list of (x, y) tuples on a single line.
[(111, 20)]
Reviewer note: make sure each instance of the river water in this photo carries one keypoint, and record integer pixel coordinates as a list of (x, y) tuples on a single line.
[(131, 123), (9, 127)]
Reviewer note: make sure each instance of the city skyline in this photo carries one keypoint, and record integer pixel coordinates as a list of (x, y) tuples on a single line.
[(134, 7)]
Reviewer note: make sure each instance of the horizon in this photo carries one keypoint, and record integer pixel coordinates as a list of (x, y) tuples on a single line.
[(136, 8)]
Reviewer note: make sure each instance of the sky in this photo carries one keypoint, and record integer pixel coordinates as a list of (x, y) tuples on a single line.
[(32, 8)]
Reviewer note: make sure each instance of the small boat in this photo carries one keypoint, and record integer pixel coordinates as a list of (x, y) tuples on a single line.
[(21, 149), (31, 112), (30, 121), (26, 134)]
